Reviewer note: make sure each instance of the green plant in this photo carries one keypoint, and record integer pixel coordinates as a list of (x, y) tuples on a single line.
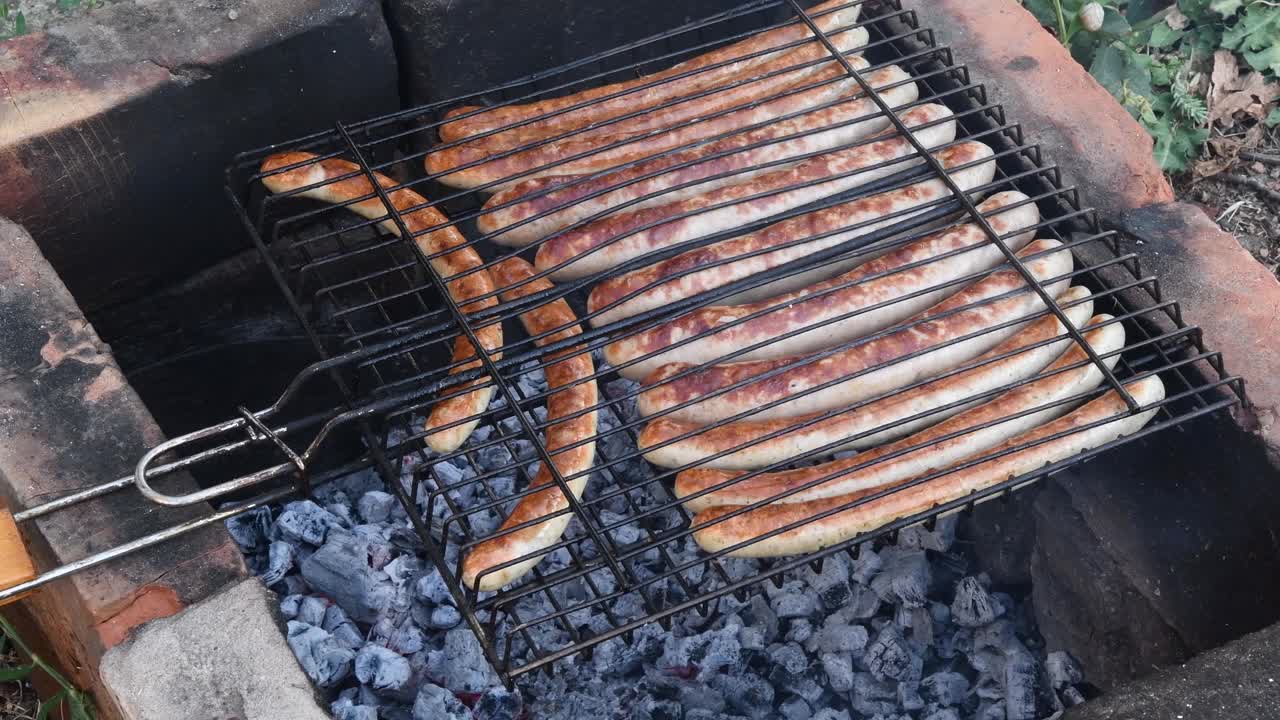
[(12, 22), (1155, 58), (77, 704)]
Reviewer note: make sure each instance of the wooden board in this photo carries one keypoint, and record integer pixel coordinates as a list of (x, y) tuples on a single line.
[(15, 563)]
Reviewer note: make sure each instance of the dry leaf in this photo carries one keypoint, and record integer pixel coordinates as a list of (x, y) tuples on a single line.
[(1253, 96), (1175, 19)]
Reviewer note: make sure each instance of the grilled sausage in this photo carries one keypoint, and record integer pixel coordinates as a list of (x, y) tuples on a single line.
[(748, 445), (571, 419), (932, 449), (516, 154), (868, 368), (877, 291), (444, 436), (707, 268), (1027, 453), (597, 104), (613, 240), (650, 182)]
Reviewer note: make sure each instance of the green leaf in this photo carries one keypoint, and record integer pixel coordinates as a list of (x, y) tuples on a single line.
[(1113, 23), (4, 11), (1226, 8), (20, 24), (53, 703), (1256, 36), (1273, 118), (1162, 36), (1044, 11), (1139, 10), (9, 674), (1119, 69)]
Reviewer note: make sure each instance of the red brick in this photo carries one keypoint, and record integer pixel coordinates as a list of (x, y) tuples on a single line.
[(1097, 144)]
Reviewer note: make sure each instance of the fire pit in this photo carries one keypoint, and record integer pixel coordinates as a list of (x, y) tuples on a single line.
[(633, 605)]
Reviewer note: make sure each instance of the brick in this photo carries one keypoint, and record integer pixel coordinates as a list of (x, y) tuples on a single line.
[(1095, 142), (69, 420), (1221, 288), (116, 128)]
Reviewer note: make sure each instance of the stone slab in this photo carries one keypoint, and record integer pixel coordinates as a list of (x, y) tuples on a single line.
[(69, 420), (1095, 142), (224, 657), (1238, 681), (1160, 549), (116, 127)]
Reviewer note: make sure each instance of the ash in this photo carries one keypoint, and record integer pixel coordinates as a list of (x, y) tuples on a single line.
[(899, 631)]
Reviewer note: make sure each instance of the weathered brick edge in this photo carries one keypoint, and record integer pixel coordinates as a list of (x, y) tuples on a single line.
[(1094, 141), (1222, 289), (69, 420)]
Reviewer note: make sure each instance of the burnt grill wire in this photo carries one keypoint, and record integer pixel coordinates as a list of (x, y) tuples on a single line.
[(625, 559)]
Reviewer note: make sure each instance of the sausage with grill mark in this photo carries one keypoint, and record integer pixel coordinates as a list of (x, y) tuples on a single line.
[(556, 209), (601, 109), (876, 290), (464, 409), (937, 447), (973, 321), (706, 268), (755, 444), (1026, 454), (571, 419), (613, 240)]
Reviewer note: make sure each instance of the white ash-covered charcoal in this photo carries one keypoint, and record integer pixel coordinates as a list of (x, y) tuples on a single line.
[(831, 584), (461, 665), (873, 696), (346, 708), (904, 579), (746, 693), (891, 657), (795, 708), (375, 506), (839, 669), (436, 703), (303, 521), (312, 610), (290, 604), (251, 531), (799, 630), (909, 698), (326, 661), (381, 669), (838, 635), (1063, 669), (280, 558), (946, 688), (498, 703), (866, 565), (973, 605), (337, 623)]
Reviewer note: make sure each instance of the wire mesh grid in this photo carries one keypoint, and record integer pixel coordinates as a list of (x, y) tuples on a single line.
[(386, 325)]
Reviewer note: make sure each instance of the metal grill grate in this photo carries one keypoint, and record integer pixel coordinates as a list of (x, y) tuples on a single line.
[(625, 558)]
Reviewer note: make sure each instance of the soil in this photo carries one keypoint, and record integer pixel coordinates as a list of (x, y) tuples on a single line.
[(17, 698), (1243, 211), (42, 14)]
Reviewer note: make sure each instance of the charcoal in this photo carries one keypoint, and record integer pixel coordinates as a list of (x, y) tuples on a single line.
[(312, 610), (349, 636), (806, 686), (436, 703), (461, 664), (325, 661), (375, 506), (251, 530), (889, 657), (404, 637), (831, 714), (747, 693), (799, 630), (759, 614), (909, 696), (348, 711), (1063, 669), (752, 638), (498, 703), (789, 658), (832, 583), (403, 569), (701, 697), (342, 512), (381, 669), (904, 579), (793, 605), (431, 587), (304, 521), (795, 709), (946, 713), (989, 687), (973, 606), (334, 617), (991, 710), (866, 566), (946, 688), (839, 670), (290, 605), (450, 475), (279, 562), (838, 636), (292, 585), (940, 612), (1026, 690), (340, 570), (864, 603), (1072, 697), (872, 696)]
